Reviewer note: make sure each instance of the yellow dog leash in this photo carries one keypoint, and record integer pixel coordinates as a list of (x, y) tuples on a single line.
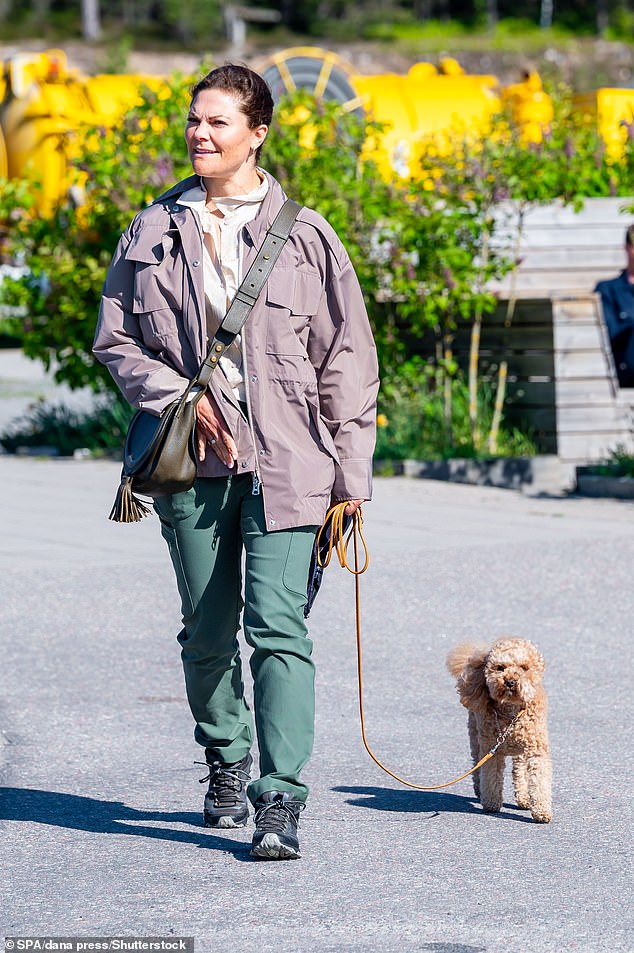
[(339, 543)]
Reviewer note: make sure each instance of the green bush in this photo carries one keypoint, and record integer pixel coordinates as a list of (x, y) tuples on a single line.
[(416, 421), (101, 430), (424, 248), (618, 463)]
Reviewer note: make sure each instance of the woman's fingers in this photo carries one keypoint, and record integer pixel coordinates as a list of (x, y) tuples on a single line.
[(220, 442), (225, 448), (228, 447), (211, 432)]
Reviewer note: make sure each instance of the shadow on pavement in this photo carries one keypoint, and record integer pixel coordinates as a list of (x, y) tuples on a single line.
[(422, 802), (109, 817)]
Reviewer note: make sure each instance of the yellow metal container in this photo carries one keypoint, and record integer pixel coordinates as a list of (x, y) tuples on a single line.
[(44, 107), (440, 104), (46, 112), (421, 106), (4, 167), (613, 112)]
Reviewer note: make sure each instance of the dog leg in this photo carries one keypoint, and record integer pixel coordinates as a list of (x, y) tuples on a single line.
[(539, 770), (475, 752), (492, 784), (520, 783)]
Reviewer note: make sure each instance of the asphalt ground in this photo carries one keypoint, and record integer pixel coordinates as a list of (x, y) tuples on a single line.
[(101, 807), (24, 382)]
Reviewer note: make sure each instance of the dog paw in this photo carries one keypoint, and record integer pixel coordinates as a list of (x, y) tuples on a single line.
[(491, 808), (522, 805), (541, 816)]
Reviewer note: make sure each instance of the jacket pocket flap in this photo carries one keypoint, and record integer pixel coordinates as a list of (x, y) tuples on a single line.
[(146, 246), (299, 291)]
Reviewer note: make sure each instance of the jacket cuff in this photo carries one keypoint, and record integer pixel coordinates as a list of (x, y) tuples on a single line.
[(353, 480)]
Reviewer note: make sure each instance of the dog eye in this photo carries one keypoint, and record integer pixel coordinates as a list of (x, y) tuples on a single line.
[(501, 668), (524, 668)]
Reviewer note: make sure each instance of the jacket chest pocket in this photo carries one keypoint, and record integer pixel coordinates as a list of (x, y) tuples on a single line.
[(157, 274), (292, 298)]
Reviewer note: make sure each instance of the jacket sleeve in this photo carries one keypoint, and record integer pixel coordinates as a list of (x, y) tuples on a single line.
[(145, 381), (617, 326), (343, 353)]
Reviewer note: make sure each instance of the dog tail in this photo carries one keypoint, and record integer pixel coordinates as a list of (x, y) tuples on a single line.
[(459, 657)]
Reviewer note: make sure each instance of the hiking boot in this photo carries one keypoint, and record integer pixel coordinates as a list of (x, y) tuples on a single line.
[(276, 822), (226, 800)]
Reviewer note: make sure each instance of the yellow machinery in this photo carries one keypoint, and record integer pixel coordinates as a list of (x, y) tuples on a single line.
[(426, 102), (612, 110), (4, 166), (45, 110)]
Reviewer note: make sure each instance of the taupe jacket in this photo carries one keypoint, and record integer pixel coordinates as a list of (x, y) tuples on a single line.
[(310, 360)]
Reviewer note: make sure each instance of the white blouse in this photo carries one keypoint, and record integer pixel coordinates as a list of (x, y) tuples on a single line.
[(222, 257)]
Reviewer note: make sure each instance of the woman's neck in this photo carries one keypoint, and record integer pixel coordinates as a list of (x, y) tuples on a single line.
[(245, 181)]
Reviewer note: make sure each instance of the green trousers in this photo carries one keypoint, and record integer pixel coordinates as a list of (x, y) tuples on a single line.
[(207, 529)]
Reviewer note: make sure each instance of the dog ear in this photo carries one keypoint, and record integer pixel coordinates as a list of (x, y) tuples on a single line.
[(459, 657), (537, 662), (467, 663)]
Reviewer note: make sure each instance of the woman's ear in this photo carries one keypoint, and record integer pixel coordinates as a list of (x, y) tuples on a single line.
[(259, 134)]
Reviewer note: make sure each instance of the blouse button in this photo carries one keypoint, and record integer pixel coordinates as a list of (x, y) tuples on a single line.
[(195, 263)]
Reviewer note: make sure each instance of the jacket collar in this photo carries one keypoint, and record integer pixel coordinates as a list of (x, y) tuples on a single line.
[(271, 204), (183, 186)]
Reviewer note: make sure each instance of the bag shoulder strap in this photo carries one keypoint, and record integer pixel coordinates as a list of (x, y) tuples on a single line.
[(249, 290)]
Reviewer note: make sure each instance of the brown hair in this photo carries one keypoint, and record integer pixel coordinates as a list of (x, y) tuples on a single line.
[(629, 235), (247, 87)]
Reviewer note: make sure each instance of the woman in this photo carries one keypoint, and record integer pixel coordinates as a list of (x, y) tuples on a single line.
[(286, 427)]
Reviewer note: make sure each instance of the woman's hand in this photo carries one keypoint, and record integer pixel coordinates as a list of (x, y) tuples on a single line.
[(352, 507), (211, 431)]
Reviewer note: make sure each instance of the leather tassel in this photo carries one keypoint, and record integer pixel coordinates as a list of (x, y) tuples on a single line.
[(127, 508)]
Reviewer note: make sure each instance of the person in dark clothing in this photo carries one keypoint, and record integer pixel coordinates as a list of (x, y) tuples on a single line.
[(617, 298)]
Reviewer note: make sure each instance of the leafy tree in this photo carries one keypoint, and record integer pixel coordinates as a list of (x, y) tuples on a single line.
[(121, 170), (424, 248)]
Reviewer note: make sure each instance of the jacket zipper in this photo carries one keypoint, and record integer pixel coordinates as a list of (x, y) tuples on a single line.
[(257, 476)]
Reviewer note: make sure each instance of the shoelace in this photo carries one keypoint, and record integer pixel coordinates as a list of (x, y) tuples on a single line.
[(274, 817), (225, 783)]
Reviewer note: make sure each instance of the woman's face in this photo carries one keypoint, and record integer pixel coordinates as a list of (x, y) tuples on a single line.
[(219, 141)]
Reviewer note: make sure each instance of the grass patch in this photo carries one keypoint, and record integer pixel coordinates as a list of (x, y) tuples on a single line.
[(412, 423), (512, 35), (619, 463)]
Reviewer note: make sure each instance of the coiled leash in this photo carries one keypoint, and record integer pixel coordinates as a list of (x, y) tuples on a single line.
[(339, 542)]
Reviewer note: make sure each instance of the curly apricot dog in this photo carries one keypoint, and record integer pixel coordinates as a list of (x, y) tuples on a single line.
[(497, 684)]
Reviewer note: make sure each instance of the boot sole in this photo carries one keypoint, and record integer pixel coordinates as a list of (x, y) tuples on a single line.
[(272, 848), (225, 823)]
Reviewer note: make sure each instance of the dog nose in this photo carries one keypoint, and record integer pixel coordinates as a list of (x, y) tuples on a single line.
[(510, 682)]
